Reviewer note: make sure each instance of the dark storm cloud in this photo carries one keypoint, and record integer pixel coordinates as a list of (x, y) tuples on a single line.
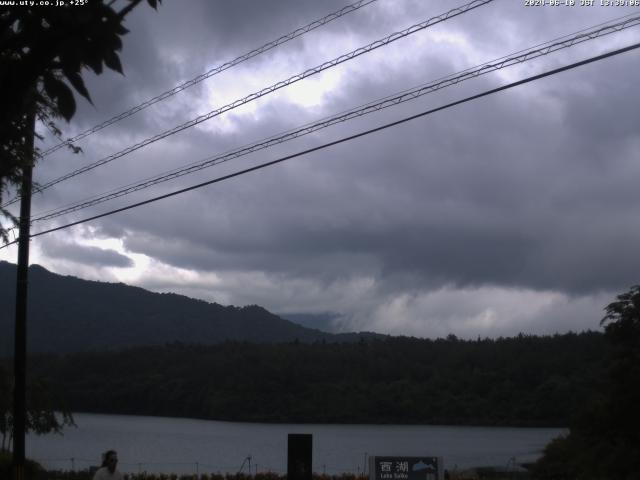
[(180, 42), (469, 209), (84, 254), (246, 24), (185, 40), (144, 66), (526, 196)]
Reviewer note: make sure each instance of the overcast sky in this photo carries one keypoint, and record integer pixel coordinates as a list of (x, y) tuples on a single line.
[(514, 213)]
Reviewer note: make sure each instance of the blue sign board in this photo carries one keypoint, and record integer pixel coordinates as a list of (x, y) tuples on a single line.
[(405, 468)]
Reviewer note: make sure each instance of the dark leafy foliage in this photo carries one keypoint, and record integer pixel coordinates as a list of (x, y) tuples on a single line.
[(527, 380), (604, 440), (32, 469), (46, 412)]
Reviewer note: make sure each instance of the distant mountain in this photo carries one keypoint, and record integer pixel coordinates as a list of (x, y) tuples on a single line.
[(68, 314), (325, 323), (318, 321)]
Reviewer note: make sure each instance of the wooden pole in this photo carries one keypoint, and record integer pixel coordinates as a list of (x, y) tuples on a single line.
[(22, 282)]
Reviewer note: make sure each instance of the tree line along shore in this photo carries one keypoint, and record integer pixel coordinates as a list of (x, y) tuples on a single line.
[(520, 381)]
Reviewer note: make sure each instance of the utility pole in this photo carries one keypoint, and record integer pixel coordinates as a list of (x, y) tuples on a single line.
[(22, 282)]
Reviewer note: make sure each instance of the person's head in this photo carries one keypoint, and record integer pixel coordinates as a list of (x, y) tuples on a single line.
[(110, 460)]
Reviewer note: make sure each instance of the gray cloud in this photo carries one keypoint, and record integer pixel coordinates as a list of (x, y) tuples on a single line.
[(84, 254), (526, 196), (491, 213)]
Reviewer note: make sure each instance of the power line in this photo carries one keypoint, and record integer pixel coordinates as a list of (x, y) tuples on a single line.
[(564, 41), (214, 71), (344, 139), (503, 62), (254, 96)]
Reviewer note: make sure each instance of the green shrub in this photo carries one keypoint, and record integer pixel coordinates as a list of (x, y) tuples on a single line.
[(32, 470)]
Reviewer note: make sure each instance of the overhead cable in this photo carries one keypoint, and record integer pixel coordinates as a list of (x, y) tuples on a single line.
[(214, 71), (503, 62), (265, 91), (342, 140)]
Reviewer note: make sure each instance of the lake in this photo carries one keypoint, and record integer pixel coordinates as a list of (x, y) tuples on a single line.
[(179, 445)]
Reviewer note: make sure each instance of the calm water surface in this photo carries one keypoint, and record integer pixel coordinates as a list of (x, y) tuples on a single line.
[(178, 445)]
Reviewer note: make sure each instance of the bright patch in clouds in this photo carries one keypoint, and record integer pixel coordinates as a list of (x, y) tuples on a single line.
[(472, 312), (311, 92)]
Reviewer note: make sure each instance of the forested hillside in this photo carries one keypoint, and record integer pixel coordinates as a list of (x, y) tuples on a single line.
[(525, 380), (68, 314)]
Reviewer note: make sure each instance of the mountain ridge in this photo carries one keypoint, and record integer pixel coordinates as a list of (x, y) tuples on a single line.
[(69, 314)]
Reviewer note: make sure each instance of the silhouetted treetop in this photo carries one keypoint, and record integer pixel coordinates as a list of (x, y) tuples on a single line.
[(43, 50)]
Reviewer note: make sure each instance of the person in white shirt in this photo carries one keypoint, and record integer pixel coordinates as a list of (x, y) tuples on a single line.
[(108, 470)]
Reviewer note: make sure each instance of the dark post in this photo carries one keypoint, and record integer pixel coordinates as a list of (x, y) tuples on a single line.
[(20, 345), (299, 458)]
